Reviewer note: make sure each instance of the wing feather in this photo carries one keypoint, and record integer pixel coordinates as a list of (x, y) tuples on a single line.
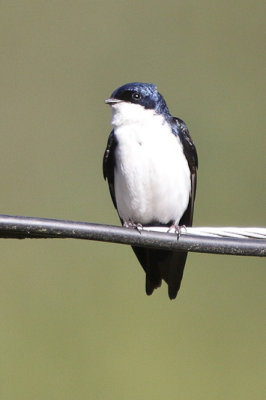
[(109, 164)]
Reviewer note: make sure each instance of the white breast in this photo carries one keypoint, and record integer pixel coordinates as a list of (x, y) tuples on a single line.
[(152, 176)]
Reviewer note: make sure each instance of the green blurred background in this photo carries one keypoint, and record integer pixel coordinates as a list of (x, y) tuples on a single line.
[(75, 322)]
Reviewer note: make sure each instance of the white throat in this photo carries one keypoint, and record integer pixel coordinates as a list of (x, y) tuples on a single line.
[(130, 113)]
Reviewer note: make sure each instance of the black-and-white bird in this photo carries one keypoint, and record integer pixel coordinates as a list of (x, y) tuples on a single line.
[(151, 166)]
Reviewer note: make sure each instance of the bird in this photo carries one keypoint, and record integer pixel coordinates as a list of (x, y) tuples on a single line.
[(150, 164)]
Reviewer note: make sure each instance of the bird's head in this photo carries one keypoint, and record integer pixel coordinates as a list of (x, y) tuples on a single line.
[(136, 101)]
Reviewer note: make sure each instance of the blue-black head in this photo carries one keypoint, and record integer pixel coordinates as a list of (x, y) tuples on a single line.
[(144, 94)]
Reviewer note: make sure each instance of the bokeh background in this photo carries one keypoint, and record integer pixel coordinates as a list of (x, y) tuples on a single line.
[(75, 322)]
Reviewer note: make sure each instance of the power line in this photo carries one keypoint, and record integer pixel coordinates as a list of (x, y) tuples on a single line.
[(190, 239)]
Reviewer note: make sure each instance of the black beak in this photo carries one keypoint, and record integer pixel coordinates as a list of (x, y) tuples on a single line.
[(112, 101)]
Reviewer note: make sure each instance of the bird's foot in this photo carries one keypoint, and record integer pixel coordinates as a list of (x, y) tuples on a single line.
[(133, 225), (177, 229)]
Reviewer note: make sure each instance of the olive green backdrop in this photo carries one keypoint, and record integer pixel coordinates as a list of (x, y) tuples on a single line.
[(75, 322)]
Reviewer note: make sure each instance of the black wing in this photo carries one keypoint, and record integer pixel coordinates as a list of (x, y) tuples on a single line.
[(192, 158), (109, 164)]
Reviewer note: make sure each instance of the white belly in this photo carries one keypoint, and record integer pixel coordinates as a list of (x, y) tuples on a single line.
[(152, 176)]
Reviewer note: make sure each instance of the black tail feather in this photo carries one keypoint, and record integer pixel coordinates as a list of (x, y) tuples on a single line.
[(175, 273), (162, 264)]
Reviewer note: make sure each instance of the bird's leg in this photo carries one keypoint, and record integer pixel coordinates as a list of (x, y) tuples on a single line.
[(177, 229), (133, 225)]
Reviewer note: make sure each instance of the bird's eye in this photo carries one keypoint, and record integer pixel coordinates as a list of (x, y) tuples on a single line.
[(136, 96)]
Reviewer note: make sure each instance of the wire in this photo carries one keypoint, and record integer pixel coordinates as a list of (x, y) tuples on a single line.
[(237, 232), (18, 227)]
